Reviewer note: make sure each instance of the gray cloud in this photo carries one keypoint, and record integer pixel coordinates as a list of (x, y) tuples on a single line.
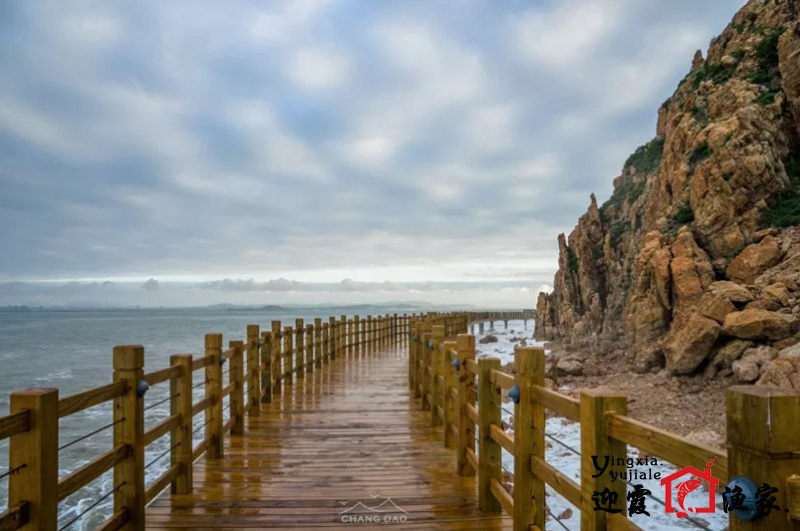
[(150, 285), (412, 141)]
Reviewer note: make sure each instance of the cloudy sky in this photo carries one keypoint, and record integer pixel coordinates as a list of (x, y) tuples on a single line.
[(318, 150)]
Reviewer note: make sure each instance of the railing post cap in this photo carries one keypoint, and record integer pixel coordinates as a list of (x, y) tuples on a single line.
[(252, 330), (128, 357), (36, 391), (235, 343), (214, 340)]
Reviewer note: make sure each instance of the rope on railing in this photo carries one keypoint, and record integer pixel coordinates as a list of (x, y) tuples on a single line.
[(84, 437), (156, 404), (92, 506), (160, 456)]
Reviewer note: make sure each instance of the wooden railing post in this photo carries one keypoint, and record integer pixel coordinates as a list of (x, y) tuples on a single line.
[(412, 366), (368, 334), (236, 377), (309, 348), (594, 404), (253, 371), (529, 427), (357, 347), (265, 350), (34, 454), (332, 333), (490, 453), (213, 390), (466, 396), (437, 372), (180, 389), (326, 353), (764, 445), (129, 430), (288, 336), (277, 365), (342, 336), (318, 342), (424, 373), (299, 348), (450, 420)]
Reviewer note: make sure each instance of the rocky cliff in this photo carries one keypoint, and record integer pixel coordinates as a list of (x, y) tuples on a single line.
[(693, 264)]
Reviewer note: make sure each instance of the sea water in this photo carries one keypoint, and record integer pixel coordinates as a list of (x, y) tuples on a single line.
[(72, 351)]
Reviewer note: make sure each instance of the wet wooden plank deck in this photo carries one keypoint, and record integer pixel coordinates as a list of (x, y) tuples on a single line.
[(345, 434)]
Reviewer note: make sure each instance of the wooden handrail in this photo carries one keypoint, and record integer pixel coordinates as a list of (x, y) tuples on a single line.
[(562, 405), (90, 398), (15, 517), (15, 423), (553, 477), (82, 476), (201, 363), (502, 438), (501, 379), (502, 495), (163, 481), (202, 405), (162, 375), (660, 443), (117, 521), (162, 428)]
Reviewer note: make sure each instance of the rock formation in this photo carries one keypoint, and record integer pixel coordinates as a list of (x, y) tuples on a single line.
[(693, 264)]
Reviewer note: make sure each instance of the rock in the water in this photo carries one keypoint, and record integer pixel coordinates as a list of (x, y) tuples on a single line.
[(687, 346), (754, 260), (488, 339), (758, 324)]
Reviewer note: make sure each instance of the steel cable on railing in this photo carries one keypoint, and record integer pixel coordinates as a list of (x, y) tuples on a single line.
[(161, 455), (556, 518), (195, 386), (691, 520), (95, 432), (12, 470), (156, 404), (92, 506), (203, 425), (507, 411)]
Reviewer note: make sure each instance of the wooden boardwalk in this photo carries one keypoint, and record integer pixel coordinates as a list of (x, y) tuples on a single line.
[(346, 433)]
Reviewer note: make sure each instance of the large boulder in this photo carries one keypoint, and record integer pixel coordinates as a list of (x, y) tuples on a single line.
[(731, 291), (753, 363), (753, 323), (783, 371), (691, 270), (754, 260), (688, 346), (715, 306)]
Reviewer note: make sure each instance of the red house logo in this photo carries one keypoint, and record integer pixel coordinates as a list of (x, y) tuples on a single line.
[(685, 481)]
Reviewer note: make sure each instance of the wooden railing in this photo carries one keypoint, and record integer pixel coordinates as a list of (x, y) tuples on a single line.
[(464, 396), (259, 368)]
